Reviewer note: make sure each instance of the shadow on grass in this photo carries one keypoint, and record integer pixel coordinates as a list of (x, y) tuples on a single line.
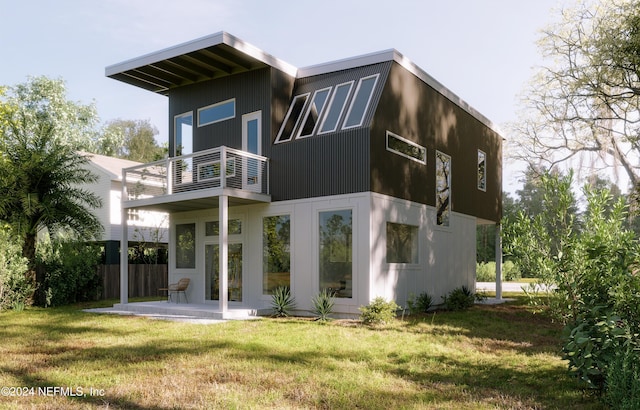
[(308, 363)]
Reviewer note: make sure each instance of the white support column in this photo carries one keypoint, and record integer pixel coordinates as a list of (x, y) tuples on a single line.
[(223, 246), (498, 261), (124, 254)]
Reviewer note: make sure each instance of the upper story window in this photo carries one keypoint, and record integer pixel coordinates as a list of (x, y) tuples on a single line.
[(360, 102), (323, 113), (406, 148), (443, 188), (315, 110), (336, 107), (183, 134), (221, 111), (482, 171), (292, 118)]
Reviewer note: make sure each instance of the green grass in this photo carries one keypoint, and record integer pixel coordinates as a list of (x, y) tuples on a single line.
[(489, 357)]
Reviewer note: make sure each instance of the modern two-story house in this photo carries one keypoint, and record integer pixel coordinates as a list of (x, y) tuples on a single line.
[(364, 176)]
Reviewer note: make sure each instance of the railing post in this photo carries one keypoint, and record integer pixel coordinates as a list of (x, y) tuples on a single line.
[(169, 168), (223, 167)]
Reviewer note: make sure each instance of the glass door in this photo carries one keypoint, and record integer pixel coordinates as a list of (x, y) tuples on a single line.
[(212, 270), (252, 143)]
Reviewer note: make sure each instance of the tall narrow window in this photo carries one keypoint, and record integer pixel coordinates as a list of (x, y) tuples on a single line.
[(336, 107), (183, 145), (336, 251), (443, 188), (276, 256), (360, 101), (185, 246), (183, 134), (314, 112), (482, 171), (292, 118), (221, 111)]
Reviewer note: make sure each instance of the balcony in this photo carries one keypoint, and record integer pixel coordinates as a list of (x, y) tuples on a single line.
[(195, 181)]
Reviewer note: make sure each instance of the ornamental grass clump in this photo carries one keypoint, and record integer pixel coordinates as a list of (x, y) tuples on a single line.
[(282, 302), (323, 304)]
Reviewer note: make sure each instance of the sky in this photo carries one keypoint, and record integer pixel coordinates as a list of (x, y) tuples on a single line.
[(482, 50)]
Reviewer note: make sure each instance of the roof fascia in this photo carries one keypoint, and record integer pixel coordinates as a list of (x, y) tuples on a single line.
[(395, 55), (199, 44)]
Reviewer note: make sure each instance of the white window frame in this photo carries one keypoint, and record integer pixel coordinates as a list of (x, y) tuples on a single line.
[(175, 132), (330, 106), (229, 101), (354, 258), (279, 138), (308, 112), (417, 244), (484, 179), (406, 141), (449, 182), (354, 98)]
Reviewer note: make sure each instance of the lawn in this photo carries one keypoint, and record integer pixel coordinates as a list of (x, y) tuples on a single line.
[(489, 357)]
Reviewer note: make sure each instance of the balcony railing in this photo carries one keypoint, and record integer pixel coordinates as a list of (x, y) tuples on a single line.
[(197, 171)]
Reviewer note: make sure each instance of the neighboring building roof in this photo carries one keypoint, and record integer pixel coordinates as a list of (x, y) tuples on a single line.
[(223, 54), (110, 165)]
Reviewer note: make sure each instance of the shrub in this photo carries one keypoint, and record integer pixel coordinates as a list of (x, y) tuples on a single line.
[(461, 298), (70, 271), (419, 304), (15, 288), (282, 302), (379, 311), (622, 388), (510, 271), (323, 304), (486, 272)]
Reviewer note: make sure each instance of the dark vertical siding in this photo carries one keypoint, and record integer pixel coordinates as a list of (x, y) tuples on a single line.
[(252, 91), (415, 111), (328, 164)]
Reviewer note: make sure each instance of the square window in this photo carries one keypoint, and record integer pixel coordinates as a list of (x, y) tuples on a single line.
[(402, 243)]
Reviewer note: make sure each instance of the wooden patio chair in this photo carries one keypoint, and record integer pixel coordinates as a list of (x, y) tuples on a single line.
[(178, 288)]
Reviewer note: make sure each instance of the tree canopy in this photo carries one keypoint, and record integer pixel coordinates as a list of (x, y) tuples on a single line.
[(584, 106), (130, 139), (43, 178)]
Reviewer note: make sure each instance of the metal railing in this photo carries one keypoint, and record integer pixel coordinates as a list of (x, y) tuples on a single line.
[(197, 171)]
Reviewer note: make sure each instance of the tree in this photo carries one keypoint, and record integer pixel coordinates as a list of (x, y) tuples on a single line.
[(131, 139), (42, 173), (585, 105)]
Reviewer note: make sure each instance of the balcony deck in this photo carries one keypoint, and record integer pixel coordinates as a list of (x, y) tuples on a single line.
[(195, 181)]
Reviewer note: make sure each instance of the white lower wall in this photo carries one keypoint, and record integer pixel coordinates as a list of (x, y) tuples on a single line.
[(447, 255)]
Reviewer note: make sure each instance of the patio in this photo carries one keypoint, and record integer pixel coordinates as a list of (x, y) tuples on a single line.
[(168, 310)]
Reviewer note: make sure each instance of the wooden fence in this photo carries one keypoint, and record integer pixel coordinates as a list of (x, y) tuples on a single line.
[(144, 280)]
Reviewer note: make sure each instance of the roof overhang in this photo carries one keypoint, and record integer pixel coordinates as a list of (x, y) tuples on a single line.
[(203, 59), (399, 58)]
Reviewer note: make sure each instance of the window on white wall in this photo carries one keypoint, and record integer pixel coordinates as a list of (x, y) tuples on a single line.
[(402, 243), (443, 189), (276, 256), (336, 252), (185, 246)]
